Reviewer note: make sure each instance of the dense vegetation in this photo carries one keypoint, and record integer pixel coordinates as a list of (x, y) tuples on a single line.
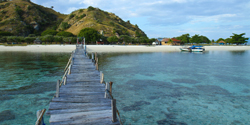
[(234, 39), (90, 35)]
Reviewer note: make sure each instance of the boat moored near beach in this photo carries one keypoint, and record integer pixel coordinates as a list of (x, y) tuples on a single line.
[(193, 49)]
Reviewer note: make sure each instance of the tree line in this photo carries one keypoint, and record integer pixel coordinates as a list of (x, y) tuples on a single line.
[(234, 39), (47, 36), (92, 36)]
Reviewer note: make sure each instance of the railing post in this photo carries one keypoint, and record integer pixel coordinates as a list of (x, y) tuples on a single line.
[(110, 87), (65, 80), (95, 56), (101, 77), (113, 106), (106, 88), (96, 64), (39, 115), (70, 69), (85, 51), (57, 88), (92, 57)]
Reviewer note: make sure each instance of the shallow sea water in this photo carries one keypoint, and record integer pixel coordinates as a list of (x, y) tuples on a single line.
[(27, 84), (150, 88), (180, 88)]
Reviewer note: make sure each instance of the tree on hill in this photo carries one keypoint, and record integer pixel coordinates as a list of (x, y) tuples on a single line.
[(65, 25), (137, 34), (91, 35), (4, 33), (65, 34), (90, 8), (112, 39), (239, 39), (49, 32), (125, 38)]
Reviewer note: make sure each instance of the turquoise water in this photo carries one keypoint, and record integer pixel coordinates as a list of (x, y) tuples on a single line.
[(150, 88), (180, 88), (27, 84)]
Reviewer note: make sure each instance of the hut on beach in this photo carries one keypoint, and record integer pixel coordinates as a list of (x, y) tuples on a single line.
[(221, 42)]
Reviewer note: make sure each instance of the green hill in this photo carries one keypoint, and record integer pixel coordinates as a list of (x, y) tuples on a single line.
[(22, 17), (105, 23)]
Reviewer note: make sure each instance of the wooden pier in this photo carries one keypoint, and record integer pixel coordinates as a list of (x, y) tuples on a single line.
[(80, 96)]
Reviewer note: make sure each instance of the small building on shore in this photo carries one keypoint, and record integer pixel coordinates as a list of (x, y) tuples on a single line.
[(221, 42), (158, 41), (172, 41)]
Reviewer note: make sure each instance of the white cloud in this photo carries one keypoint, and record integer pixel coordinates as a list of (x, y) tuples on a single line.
[(215, 18)]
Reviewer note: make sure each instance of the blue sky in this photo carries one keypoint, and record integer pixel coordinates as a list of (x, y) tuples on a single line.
[(170, 18)]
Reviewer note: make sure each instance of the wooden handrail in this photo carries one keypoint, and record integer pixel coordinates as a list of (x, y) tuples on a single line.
[(70, 59), (39, 119)]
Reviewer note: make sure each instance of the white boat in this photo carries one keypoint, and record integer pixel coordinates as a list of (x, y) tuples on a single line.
[(185, 48), (193, 49)]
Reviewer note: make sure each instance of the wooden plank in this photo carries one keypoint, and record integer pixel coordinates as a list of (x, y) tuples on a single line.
[(81, 93), (82, 80), (63, 105), (63, 111), (87, 89), (80, 96), (83, 85), (81, 77), (88, 116), (81, 100), (65, 87)]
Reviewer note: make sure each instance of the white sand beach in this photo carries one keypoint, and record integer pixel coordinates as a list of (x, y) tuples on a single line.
[(113, 48)]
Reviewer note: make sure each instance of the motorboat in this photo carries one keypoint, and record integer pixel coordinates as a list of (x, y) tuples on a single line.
[(185, 48), (193, 49)]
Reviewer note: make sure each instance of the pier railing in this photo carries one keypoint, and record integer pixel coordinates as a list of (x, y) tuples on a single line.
[(39, 115), (108, 89), (108, 92)]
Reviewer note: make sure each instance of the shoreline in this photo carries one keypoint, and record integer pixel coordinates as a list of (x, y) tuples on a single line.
[(112, 48), (38, 48)]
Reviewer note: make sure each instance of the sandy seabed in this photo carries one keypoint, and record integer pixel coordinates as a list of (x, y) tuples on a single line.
[(114, 48)]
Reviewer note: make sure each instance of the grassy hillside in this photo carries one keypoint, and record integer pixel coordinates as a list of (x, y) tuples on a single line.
[(105, 23), (22, 17)]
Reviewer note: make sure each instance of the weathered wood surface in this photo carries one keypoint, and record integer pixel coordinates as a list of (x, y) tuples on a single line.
[(81, 100)]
